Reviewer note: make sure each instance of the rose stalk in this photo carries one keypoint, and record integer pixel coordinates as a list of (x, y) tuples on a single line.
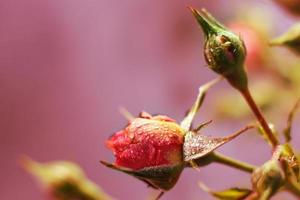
[(225, 53)]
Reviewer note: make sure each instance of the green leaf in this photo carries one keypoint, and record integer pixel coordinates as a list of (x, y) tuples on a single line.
[(229, 194)]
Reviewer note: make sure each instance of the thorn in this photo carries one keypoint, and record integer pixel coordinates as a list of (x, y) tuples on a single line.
[(202, 125), (160, 195)]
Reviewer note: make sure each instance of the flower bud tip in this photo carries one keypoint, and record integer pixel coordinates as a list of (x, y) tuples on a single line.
[(224, 51), (205, 20)]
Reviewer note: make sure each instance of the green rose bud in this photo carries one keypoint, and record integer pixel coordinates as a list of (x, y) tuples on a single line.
[(283, 167), (63, 180), (268, 179), (224, 51)]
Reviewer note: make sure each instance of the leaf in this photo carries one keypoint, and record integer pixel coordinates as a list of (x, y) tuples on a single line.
[(187, 121), (196, 145), (229, 194)]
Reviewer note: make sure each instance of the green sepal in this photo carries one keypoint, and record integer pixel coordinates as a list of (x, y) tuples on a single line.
[(207, 22), (161, 177)]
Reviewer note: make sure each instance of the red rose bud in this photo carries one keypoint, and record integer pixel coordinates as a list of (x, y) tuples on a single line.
[(148, 141), (224, 51), (155, 149), (149, 148), (64, 180)]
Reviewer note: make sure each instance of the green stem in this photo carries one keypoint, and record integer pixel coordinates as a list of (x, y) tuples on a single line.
[(225, 160), (187, 121), (261, 119)]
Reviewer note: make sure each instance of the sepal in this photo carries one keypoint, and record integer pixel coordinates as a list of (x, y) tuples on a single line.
[(159, 177)]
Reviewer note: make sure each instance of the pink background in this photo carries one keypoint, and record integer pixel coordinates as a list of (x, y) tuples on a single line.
[(65, 68)]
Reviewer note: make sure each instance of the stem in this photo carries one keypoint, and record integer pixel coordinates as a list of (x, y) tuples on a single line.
[(261, 119), (187, 121), (225, 160)]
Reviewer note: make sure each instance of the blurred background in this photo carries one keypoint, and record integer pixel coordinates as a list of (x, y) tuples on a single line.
[(67, 66)]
